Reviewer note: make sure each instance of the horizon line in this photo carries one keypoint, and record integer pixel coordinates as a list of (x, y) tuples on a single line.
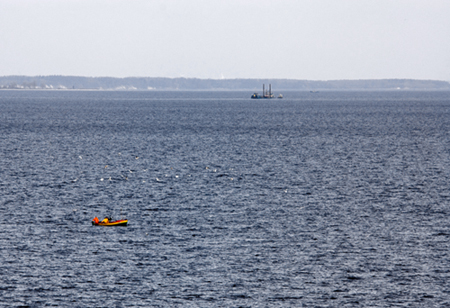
[(243, 78)]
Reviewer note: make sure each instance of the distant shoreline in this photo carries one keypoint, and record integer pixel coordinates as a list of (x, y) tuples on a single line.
[(226, 90), (194, 84)]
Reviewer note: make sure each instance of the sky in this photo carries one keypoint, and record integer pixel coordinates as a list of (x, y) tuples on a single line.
[(294, 39)]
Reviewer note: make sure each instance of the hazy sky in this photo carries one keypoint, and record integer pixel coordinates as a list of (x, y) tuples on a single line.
[(299, 39)]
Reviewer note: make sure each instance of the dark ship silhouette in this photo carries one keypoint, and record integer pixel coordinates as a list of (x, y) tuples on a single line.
[(266, 94)]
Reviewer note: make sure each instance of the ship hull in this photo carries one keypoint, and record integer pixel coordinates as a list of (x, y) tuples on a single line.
[(117, 223)]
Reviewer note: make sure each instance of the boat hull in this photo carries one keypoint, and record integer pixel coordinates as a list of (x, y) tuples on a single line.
[(261, 97), (116, 223)]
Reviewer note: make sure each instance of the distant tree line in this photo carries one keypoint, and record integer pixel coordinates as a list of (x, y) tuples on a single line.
[(159, 83)]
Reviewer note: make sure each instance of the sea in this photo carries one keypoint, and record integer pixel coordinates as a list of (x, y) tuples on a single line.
[(324, 199)]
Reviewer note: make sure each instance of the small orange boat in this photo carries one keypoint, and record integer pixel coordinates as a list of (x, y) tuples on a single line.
[(109, 223)]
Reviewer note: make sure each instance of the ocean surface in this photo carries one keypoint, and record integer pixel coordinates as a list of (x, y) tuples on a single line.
[(328, 199)]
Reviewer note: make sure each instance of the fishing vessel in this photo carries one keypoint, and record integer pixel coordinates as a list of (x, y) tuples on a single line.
[(266, 94)]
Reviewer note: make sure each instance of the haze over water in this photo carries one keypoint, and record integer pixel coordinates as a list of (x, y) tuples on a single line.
[(328, 199)]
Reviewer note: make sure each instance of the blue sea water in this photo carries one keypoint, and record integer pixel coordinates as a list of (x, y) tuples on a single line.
[(329, 199)]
